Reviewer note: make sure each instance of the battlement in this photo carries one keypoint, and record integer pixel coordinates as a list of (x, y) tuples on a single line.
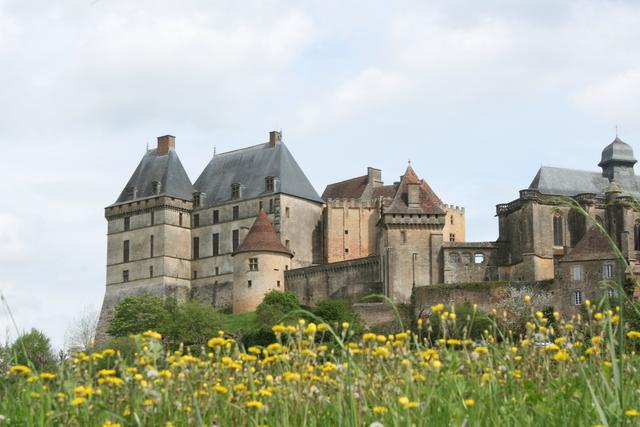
[(459, 209), (352, 203)]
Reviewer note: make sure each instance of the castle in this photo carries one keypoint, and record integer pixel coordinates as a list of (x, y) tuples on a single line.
[(252, 222)]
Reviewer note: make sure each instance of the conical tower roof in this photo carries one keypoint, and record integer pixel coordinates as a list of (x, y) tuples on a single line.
[(262, 238), (430, 203)]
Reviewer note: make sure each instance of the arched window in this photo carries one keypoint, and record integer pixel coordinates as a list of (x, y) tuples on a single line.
[(636, 236), (558, 235), (454, 258)]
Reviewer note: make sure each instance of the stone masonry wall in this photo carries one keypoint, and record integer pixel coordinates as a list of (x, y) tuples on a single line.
[(349, 280)]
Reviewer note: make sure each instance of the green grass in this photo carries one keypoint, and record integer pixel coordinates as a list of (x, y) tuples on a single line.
[(236, 323)]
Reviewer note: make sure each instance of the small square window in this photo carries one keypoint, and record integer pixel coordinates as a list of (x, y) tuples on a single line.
[(236, 212), (346, 250), (196, 220), (478, 258), (235, 191), (217, 271), (125, 275), (346, 231), (452, 237), (216, 216), (287, 243), (127, 223), (151, 271), (578, 297), (152, 218), (195, 274), (180, 219), (287, 212), (249, 284), (576, 273), (278, 283), (253, 264), (403, 237), (270, 184), (607, 270)]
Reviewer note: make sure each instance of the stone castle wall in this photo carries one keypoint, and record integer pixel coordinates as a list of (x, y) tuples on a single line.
[(348, 280)]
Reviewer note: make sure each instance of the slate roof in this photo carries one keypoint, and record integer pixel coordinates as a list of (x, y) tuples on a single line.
[(249, 167), (617, 151), (568, 182), (167, 170), (594, 245), (262, 238), (429, 202)]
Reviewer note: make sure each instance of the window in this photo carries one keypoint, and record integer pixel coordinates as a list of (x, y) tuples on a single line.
[(403, 237), (235, 191), (196, 220), (466, 258), (125, 251), (269, 184), (607, 270), (287, 212), (195, 274), (249, 284), (180, 219), (636, 237), (196, 247), (451, 219), (452, 237), (346, 250), (236, 212), (287, 243), (216, 217), (578, 297), (217, 271), (478, 258), (253, 264), (131, 192), (454, 258), (127, 223), (151, 246), (278, 283), (151, 271), (125, 275), (152, 218), (611, 293), (270, 205), (260, 206), (346, 231), (196, 200), (558, 237), (576, 273), (235, 237), (215, 243), (155, 187)]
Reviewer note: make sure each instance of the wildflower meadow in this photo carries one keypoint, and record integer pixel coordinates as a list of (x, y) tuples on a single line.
[(582, 371)]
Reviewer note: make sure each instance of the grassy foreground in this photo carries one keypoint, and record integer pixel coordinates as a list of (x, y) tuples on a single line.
[(578, 372)]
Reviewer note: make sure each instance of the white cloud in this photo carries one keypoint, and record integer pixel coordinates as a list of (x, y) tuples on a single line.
[(617, 99)]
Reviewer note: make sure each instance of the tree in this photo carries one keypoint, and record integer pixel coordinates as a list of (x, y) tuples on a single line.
[(274, 306), (33, 349), (514, 310), (193, 323), (81, 332), (138, 314)]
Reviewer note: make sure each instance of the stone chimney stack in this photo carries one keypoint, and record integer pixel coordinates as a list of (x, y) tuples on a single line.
[(166, 143), (413, 195), (374, 177), (275, 138)]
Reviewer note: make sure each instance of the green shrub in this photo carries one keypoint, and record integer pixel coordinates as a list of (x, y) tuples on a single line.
[(192, 324), (338, 311), (138, 314), (275, 306), (470, 323)]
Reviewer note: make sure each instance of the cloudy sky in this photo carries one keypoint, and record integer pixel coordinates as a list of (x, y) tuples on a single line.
[(477, 94)]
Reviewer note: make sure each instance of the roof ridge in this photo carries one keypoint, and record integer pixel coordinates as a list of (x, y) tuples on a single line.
[(253, 147)]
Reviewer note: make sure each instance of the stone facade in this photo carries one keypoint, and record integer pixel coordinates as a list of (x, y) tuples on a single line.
[(169, 237)]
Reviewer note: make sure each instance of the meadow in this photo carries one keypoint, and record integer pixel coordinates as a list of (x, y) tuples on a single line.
[(582, 371)]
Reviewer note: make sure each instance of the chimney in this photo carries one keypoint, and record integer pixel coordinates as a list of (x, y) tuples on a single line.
[(374, 177), (166, 143), (275, 138), (413, 195)]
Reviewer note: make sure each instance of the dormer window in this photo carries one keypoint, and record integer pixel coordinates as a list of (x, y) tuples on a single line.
[(132, 192), (196, 199), (235, 191), (270, 184), (155, 187)]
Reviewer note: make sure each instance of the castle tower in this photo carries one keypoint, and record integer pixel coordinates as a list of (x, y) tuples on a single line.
[(259, 264), (412, 227), (148, 237), (617, 164)]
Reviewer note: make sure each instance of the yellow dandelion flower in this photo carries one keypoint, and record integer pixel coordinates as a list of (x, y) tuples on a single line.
[(20, 369), (216, 342), (527, 298), (561, 356), (278, 329), (108, 423), (254, 404), (380, 410), (469, 403), (634, 335), (220, 389), (437, 308), (47, 376), (153, 335), (632, 413), (78, 401)]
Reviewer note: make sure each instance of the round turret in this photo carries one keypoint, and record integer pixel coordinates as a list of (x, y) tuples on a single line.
[(259, 264), (617, 152)]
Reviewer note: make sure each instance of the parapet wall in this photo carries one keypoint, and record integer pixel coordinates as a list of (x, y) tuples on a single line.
[(349, 280)]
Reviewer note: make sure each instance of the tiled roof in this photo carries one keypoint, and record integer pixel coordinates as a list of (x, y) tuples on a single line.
[(594, 245), (429, 202), (262, 238), (165, 170), (349, 189)]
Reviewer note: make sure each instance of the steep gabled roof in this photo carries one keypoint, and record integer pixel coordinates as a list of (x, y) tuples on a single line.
[(429, 202), (593, 246), (249, 167), (350, 189), (166, 170), (262, 238)]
